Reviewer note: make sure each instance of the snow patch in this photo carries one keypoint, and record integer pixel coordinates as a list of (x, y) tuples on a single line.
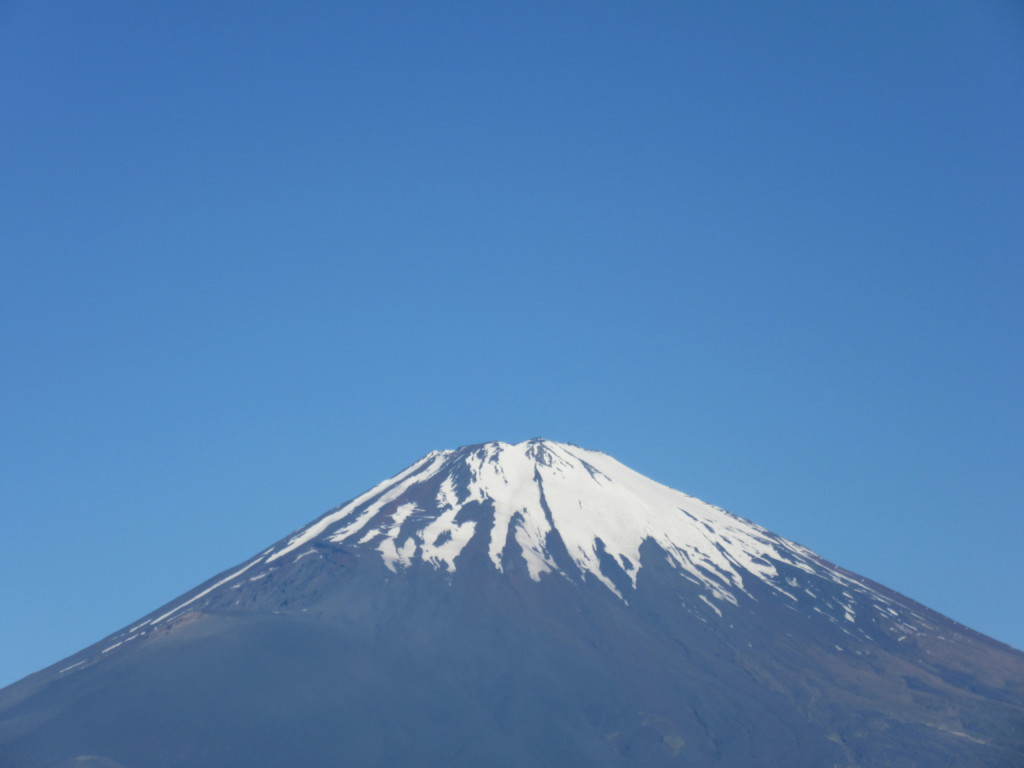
[(711, 605)]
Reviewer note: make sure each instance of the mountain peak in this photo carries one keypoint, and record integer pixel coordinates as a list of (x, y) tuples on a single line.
[(554, 604), (562, 511)]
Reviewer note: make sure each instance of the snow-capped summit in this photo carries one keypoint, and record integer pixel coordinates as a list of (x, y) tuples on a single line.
[(528, 604), (540, 499), (575, 513), (562, 512)]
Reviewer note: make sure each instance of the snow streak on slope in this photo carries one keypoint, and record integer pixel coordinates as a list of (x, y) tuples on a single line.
[(386, 491)]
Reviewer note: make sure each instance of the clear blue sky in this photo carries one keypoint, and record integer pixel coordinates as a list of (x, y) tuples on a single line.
[(258, 256)]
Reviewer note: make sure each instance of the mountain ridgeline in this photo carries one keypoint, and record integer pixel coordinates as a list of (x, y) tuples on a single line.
[(536, 604)]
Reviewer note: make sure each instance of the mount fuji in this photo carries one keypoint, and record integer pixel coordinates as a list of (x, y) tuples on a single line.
[(536, 604)]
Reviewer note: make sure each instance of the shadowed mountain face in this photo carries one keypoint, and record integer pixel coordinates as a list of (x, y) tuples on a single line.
[(527, 605)]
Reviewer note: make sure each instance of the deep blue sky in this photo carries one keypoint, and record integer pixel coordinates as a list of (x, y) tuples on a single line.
[(257, 257)]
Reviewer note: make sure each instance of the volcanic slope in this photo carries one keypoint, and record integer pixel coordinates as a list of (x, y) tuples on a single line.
[(535, 604)]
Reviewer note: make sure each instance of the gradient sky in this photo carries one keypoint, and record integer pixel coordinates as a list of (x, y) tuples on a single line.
[(256, 257)]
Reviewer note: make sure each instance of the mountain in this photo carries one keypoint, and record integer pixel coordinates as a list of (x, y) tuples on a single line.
[(536, 604)]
